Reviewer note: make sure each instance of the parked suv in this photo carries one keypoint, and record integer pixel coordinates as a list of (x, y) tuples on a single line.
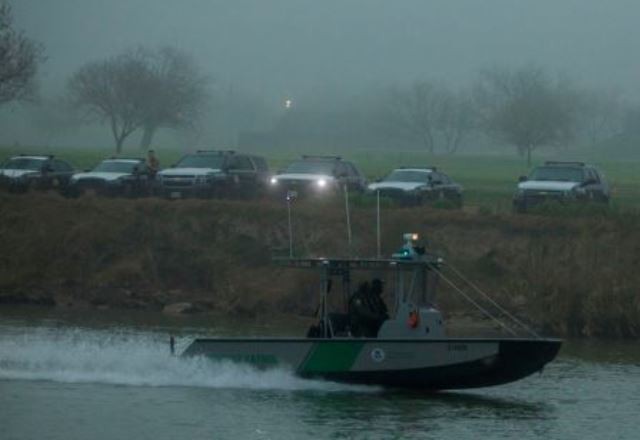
[(319, 175), (24, 172), (563, 182), (415, 185), (208, 173), (115, 176)]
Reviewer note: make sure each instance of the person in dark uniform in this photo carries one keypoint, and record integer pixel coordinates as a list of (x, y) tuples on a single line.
[(367, 310), (376, 297)]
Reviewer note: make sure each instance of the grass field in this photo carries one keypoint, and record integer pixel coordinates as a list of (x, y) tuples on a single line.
[(489, 180)]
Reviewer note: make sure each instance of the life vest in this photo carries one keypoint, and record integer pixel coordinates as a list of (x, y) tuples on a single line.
[(414, 319)]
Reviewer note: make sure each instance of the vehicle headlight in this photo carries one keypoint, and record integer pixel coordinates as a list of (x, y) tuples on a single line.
[(321, 183), (273, 181)]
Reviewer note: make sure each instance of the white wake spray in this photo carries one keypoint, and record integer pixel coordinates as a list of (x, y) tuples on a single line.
[(122, 357)]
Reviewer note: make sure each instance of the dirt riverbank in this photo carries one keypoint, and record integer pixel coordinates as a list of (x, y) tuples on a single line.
[(569, 276)]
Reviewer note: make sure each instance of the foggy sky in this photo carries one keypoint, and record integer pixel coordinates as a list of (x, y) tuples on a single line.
[(295, 47)]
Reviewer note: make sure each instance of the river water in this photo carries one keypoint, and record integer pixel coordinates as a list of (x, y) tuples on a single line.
[(110, 376)]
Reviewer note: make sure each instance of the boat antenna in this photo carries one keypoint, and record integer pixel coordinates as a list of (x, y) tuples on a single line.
[(291, 196), (346, 208), (379, 252)]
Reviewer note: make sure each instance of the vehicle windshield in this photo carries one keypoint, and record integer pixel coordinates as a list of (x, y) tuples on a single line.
[(23, 163), (408, 176), (112, 166), (311, 167), (562, 174), (201, 161)]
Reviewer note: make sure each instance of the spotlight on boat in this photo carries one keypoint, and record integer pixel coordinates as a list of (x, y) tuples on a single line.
[(410, 237), (322, 183), (409, 250)]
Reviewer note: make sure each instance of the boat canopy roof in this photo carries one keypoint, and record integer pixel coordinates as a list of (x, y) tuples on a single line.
[(346, 264)]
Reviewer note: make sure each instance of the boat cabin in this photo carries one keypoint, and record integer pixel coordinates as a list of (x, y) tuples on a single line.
[(412, 275)]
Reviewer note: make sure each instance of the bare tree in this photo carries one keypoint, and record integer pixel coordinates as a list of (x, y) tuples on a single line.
[(455, 120), (113, 91), (525, 108), (19, 59), (140, 89), (601, 115), (432, 114), (416, 110), (176, 92)]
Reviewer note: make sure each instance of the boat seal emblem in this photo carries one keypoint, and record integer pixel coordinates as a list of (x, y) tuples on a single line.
[(377, 354)]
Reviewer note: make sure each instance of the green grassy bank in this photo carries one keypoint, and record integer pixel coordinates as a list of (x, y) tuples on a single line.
[(569, 276), (489, 180)]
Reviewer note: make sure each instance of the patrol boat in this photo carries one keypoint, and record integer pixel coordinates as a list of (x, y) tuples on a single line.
[(410, 349)]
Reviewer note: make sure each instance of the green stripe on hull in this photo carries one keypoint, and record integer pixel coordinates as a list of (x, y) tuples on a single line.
[(327, 357)]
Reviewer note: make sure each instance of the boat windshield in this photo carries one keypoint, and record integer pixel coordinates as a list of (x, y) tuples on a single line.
[(408, 176), (112, 166), (557, 174), (23, 163), (311, 167)]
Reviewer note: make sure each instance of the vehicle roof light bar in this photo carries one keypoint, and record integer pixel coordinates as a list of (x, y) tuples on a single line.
[(126, 158), (318, 156), (407, 167), (50, 156), (558, 162), (216, 151)]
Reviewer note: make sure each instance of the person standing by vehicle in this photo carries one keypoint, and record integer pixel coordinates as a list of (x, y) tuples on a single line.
[(153, 164)]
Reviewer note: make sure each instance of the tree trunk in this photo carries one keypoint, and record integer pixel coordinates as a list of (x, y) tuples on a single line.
[(529, 148), (117, 135), (147, 136), (119, 142), (427, 140)]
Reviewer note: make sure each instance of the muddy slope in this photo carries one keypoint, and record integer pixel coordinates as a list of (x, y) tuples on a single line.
[(571, 276)]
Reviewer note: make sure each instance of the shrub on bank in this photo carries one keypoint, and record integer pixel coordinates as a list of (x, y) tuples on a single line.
[(573, 276)]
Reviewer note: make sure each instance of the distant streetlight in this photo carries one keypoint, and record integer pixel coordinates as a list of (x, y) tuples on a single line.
[(288, 103)]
